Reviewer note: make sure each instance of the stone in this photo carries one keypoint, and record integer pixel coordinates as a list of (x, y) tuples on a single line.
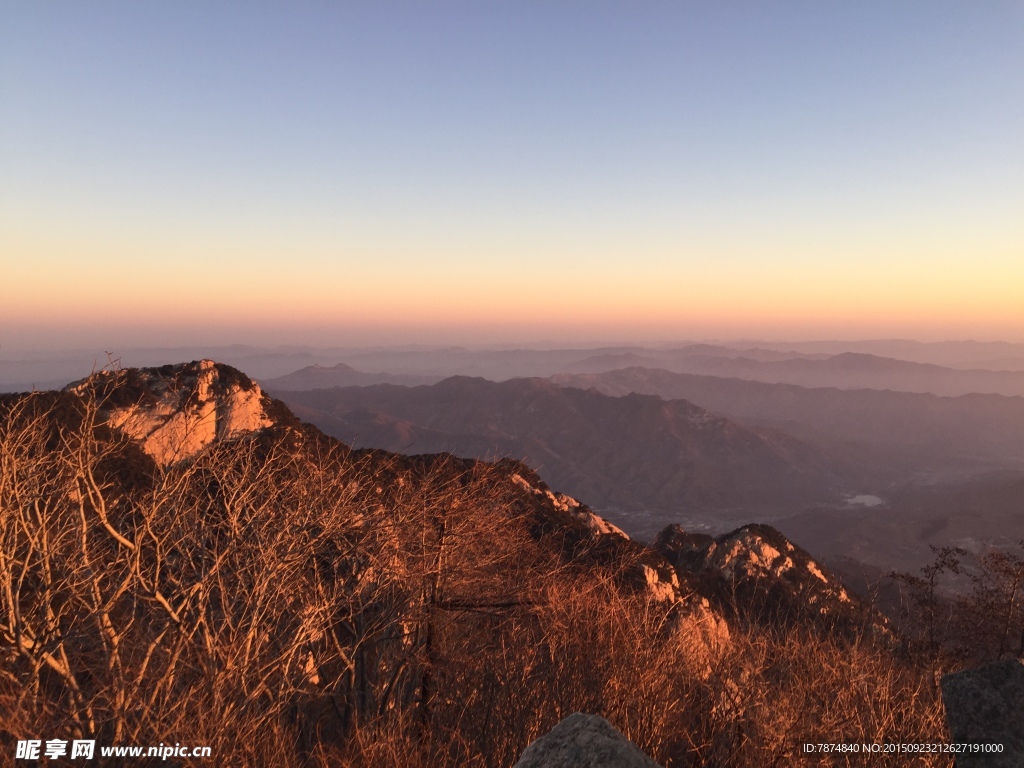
[(182, 409), (584, 741), (985, 705)]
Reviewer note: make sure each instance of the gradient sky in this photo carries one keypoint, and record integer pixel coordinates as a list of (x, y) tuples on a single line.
[(367, 172)]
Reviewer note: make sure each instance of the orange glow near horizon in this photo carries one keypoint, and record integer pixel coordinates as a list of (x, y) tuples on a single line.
[(812, 303), (781, 288)]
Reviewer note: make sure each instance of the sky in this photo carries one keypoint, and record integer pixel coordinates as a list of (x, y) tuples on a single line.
[(347, 173)]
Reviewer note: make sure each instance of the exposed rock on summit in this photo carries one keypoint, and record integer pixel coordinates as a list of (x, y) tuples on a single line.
[(587, 538), (755, 570), (177, 410), (579, 512)]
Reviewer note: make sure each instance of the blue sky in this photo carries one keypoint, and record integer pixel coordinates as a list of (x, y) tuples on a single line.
[(421, 171)]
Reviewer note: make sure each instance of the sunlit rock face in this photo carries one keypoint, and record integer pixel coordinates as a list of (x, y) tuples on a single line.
[(694, 621), (755, 551), (176, 411), (756, 571), (579, 512), (702, 631)]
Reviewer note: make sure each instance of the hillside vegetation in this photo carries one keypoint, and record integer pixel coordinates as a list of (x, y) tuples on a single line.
[(289, 601)]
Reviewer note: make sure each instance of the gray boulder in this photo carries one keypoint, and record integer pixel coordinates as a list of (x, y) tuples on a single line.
[(986, 706), (584, 741)]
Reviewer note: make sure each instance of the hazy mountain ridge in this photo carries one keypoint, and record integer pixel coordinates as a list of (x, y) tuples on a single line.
[(909, 432), (986, 355), (341, 375), (636, 452), (41, 369), (847, 370), (518, 362)]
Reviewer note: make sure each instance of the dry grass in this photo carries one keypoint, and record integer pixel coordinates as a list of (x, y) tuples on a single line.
[(288, 602)]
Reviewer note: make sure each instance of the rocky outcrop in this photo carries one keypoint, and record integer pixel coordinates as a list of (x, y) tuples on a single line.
[(176, 411), (584, 741), (579, 512), (985, 706), (586, 538), (759, 573)]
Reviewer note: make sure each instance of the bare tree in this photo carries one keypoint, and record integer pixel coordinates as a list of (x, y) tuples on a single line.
[(930, 611), (992, 614)]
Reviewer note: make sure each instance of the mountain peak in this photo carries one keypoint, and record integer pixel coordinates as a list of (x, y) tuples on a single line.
[(175, 411), (757, 571)]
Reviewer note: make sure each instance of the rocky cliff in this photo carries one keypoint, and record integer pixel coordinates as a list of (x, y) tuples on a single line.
[(177, 410), (756, 572)]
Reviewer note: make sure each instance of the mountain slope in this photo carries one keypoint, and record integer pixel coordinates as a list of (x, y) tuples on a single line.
[(758, 572), (899, 431), (636, 452), (847, 370), (263, 590)]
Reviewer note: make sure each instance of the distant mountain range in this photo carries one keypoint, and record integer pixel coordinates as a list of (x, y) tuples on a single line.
[(341, 375), (987, 355), (640, 453), (868, 478), (901, 432), (502, 363), (848, 370), (33, 368)]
